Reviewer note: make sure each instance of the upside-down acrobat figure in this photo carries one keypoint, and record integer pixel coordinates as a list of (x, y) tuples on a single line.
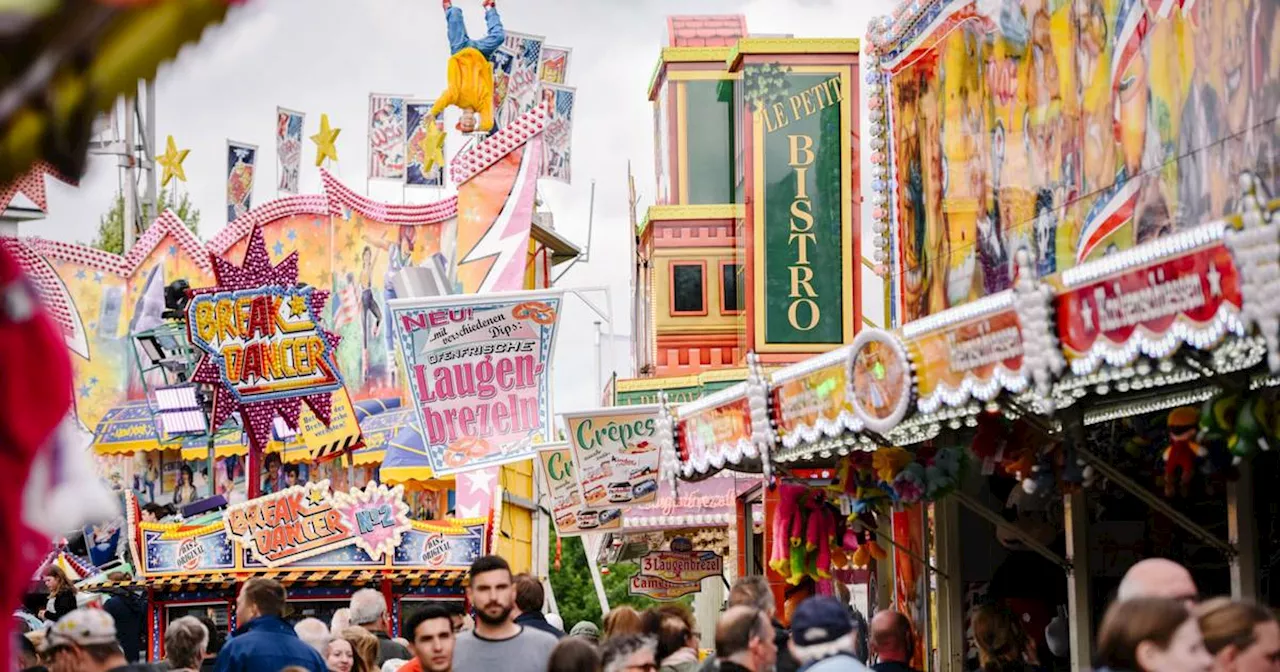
[(470, 69)]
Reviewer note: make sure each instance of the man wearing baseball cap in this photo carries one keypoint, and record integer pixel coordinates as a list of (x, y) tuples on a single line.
[(85, 641), (822, 637)]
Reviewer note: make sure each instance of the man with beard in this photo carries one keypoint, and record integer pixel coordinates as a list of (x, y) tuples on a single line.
[(498, 644)]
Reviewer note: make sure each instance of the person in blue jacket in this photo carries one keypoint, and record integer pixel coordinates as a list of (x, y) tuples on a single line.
[(264, 642)]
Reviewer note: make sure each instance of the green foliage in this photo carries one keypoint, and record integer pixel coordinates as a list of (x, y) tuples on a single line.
[(576, 595), (111, 226)]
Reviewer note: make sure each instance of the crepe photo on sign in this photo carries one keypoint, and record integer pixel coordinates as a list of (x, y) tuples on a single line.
[(570, 516), (616, 452), (479, 372)]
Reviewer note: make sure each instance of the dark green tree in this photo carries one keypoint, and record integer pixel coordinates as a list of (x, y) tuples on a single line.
[(111, 226), (575, 594)]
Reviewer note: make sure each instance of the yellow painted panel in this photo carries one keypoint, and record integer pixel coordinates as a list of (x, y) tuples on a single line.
[(714, 320), (515, 536)]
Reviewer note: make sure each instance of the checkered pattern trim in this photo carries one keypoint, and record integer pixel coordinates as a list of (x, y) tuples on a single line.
[(340, 196), (467, 165), (307, 204)]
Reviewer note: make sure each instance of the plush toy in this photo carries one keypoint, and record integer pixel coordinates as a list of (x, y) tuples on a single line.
[(944, 473), (1180, 456), (779, 550), (1250, 428), (989, 439), (909, 485), (1217, 425), (862, 528)]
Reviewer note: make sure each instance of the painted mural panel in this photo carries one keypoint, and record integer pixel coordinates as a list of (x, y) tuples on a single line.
[(367, 254), (100, 372), (1071, 128)]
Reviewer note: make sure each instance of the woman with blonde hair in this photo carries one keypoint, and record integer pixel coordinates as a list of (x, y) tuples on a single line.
[(1241, 636), (1151, 634), (622, 621), (62, 594), (365, 647), (1003, 645)]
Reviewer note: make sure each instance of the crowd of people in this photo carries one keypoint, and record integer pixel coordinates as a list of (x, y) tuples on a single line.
[(1156, 624)]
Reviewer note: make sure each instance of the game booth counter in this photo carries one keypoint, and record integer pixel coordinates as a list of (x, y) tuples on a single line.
[(322, 544), (1146, 379)]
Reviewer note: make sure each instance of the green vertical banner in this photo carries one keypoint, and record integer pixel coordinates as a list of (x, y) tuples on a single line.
[(800, 210)]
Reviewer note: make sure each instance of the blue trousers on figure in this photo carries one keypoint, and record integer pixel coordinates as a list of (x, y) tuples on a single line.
[(459, 40)]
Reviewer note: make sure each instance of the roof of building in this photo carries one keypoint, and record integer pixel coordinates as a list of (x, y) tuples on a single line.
[(706, 31)]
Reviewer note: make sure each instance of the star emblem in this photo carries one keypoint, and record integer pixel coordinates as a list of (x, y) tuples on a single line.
[(316, 497), (1086, 314), (171, 161), (325, 139), (432, 146), (1214, 276), (297, 306)]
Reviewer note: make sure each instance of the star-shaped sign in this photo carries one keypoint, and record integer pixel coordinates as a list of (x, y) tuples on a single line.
[(325, 139), (237, 359), (432, 146), (171, 161)]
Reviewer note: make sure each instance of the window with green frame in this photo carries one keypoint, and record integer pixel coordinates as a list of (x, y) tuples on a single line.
[(710, 132)]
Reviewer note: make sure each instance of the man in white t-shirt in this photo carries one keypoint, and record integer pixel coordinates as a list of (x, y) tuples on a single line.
[(498, 644)]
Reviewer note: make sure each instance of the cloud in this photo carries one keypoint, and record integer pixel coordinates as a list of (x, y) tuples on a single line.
[(328, 55)]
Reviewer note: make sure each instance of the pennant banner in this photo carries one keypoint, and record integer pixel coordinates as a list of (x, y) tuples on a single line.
[(617, 453), (479, 371), (570, 516), (386, 137), (288, 149), (555, 64), (417, 112), (558, 138), (522, 84), (242, 162)]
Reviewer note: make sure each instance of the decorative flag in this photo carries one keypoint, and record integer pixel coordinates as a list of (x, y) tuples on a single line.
[(288, 149), (479, 370), (326, 139), (423, 143), (555, 64), (503, 60), (557, 140), (571, 518), (616, 452), (522, 88), (242, 161), (386, 137), (171, 161)]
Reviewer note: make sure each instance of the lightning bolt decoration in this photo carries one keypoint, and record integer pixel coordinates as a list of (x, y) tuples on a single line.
[(495, 211)]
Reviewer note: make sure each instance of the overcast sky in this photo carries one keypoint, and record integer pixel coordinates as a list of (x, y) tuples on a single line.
[(327, 56)]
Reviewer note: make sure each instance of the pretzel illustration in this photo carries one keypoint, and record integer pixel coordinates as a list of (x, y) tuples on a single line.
[(537, 311)]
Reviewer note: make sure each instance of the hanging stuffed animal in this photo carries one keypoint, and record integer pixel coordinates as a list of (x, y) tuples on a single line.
[(1250, 428), (989, 439), (1180, 456), (780, 549), (1217, 425)]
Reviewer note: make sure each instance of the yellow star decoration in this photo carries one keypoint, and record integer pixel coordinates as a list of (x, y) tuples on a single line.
[(325, 139), (171, 161), (432, 146), (316, 497), (297, 306)]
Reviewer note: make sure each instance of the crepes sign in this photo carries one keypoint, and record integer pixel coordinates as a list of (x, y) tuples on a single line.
[(307, 520), (570, 516), (616, 454), (479, 374)]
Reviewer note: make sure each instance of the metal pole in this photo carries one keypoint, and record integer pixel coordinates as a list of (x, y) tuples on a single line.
[(1002, 524), (1242, 529), (128, 163), (599, 362), (946, 516), (152, 208), (1079, 606), (591, 545)]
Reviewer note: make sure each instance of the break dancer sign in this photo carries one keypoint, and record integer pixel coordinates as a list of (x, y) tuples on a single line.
[(479, 374)]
